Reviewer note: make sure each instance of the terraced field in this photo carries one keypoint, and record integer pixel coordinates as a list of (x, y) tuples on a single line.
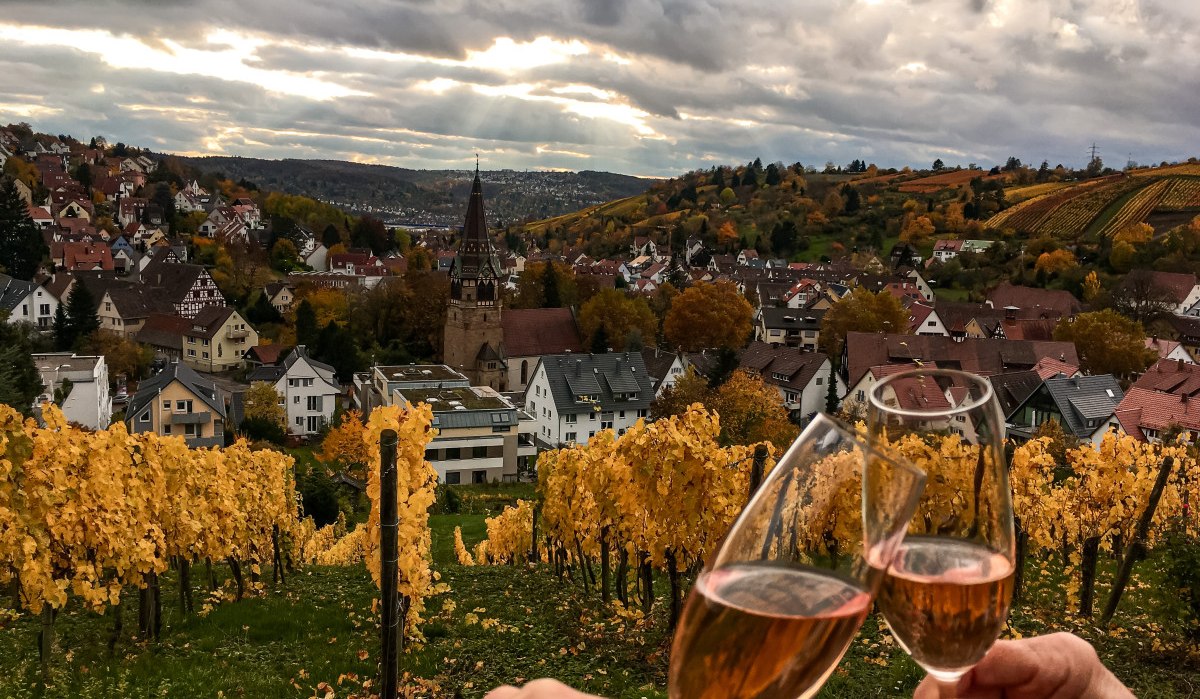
[(1100, 206)]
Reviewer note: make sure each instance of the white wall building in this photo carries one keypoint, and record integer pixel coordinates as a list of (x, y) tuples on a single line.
[(27, 302), (307, 387), (571, 397), (88, 401)]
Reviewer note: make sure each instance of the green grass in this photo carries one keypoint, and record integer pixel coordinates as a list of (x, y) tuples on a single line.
[(286, 641)]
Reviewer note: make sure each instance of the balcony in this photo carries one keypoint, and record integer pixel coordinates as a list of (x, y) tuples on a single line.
[(191, 418), (235, 334)]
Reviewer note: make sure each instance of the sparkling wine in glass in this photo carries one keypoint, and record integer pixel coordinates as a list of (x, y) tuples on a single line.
[(948, 589), (775, 610)]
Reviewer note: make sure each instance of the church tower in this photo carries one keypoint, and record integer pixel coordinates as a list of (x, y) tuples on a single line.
[(473, 342)]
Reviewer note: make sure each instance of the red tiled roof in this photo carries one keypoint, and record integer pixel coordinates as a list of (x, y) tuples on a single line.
[(1174, 284), (1049, 367), (1142, 409), (267, 354), (534, 332), (1028, 329), (1026, 297), (1171, 376), (913, 393), (1162, 346)]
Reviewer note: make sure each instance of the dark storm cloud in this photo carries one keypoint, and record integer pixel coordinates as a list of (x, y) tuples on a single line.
[(650, 87)]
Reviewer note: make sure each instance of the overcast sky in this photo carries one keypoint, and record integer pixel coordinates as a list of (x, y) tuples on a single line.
[(649, 87)]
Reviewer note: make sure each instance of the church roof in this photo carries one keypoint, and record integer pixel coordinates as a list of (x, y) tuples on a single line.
[(476, 256)]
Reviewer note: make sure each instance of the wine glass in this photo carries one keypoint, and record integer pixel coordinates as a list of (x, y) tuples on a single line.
[(790, 585), (947, 593)]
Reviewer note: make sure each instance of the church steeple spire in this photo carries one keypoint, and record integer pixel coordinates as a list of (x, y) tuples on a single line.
[(476, 261)]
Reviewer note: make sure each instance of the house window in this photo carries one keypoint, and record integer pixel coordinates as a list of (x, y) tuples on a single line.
[(478, 452), (931, 323), (295, 399), (191, 430), (479, 476), (859, 395), (167, 405), (144, 417), (314, 403), (300, 421), (453, 454), (820, 381), (570, 418), (789, 396), (570, 437), (454, 478), (308, 382), (107, 305), (204, 355), (641, 413), (191, 340), (606, 421), (44, 309), (315, 422), (204, 342), (622, 414), (183, 406)]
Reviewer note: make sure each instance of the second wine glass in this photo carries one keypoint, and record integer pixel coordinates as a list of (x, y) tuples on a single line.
[(947, 593), (773, 613)]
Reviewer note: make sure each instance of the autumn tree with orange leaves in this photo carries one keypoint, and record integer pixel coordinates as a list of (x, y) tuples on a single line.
[(708, 316)]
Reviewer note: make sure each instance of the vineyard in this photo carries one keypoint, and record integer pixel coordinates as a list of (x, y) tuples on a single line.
[(580, 581), (1100, 206)]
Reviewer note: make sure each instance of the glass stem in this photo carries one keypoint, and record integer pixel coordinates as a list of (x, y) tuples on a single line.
[(946, 689)]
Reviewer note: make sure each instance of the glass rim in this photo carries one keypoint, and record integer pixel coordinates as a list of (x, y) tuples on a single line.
[(988, 392), (866, 444)]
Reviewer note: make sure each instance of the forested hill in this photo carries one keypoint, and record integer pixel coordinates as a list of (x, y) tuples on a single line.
[(427, 196)]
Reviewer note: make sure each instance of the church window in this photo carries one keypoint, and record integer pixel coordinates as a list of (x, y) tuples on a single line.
[(524, 371)]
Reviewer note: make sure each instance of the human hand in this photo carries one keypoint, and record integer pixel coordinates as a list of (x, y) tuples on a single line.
[(1058, 666), (538, 689)]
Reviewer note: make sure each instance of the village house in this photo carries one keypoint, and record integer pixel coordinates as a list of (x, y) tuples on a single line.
[(802, 378), (178, 401), (664, 368), (217, 339), (571, 397), (83, 380), (790, 327), (189, 288), (27, 302), (280, 295), (1084, 406), (308, 388)]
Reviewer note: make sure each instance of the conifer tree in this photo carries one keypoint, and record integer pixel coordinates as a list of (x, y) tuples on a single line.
[(21, 245), (82, 318)]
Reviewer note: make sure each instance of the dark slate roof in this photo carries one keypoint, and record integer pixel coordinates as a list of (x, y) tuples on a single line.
[(209, 320), (13, 291), (270, 373), (133, 301), (149, 389), (302, 351), (164, 330), (536, 332), (796, 368), (792, 318), (658, 364), (1013, 388), (476, 258), (175, 279), (1085, 398), (598, 375)]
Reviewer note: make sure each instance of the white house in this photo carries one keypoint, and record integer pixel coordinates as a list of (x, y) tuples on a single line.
[(318, 258), (307, 387), (923, 319), (571, 397), (88, 400), (27, 302), (802, 378)]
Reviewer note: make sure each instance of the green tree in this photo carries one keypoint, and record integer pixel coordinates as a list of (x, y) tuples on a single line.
[(336, 347), (82, 318), (402, 238), (1107, 343), (262, 311), (21, 245), (20, 382), (62, 329), (284, 256), (306, 324), (861, 311)]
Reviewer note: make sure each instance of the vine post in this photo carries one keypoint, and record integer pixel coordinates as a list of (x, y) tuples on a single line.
[(389, 554)]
